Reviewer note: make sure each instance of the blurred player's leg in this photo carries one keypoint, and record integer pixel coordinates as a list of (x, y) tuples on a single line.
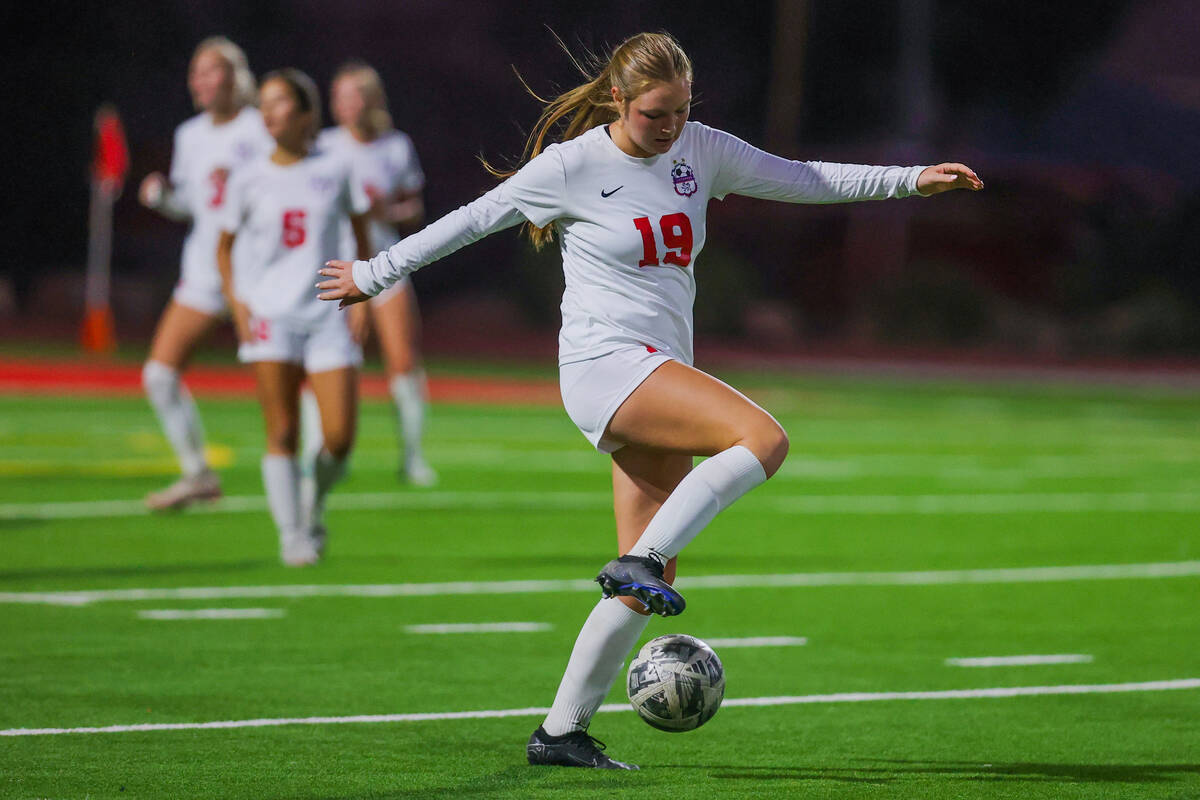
[(312, 439), (336, 395), (278, 393), (397, 322), (178, 332)]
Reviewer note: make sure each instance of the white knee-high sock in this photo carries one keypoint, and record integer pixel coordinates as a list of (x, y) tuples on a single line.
[(177, 414), (312, 437), (408, 393), (712, 486), (325, 471), (281, 478), (610, 632)]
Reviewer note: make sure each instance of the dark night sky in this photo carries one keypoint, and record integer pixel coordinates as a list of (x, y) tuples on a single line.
[(1000, 70)]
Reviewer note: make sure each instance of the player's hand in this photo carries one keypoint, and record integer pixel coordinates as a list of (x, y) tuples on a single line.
[(360, 323), (153, 190), (947, 177), (340, 285), (241, 320)]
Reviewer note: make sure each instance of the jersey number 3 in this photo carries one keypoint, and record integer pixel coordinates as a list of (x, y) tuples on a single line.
[(293, 227), (677, 236)]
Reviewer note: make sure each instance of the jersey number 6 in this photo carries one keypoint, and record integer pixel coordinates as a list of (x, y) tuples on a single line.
[(677, 236), (293, 227)]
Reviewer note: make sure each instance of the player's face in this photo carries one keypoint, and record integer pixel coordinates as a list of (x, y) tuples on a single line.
[(347, 101), (281, 112), (654, 120), (210, 80)]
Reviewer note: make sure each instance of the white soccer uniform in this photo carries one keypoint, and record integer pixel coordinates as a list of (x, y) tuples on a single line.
[(204, 156), (292, 216), (385, 165), (629, 230)]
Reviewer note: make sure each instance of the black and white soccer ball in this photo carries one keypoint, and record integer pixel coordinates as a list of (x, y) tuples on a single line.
[(676, 682)]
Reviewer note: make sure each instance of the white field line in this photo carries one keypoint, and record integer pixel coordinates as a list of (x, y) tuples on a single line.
[(211, 613), (1086, 572), (852, 504), (1020, 661), (760, 641), (846, 697), (481, 627)]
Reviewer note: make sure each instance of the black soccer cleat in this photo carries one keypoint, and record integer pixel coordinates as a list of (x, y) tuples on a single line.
[(642, 579), (574, 749)]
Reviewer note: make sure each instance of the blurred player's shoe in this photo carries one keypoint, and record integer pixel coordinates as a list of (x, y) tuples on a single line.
[(418, 472), (298, 549), (642, 579), (185, 491), (319, 534), (575, 749)]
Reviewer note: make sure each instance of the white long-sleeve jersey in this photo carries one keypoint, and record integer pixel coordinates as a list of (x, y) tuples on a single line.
[(630, 229)]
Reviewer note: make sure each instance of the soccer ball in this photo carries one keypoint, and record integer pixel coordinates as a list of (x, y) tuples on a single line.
[(676, 682)]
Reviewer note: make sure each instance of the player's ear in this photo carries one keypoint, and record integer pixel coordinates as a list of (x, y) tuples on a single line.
[(617, 97)]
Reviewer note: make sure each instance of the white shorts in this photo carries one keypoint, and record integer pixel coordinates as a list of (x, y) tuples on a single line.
[(327, 346), (200, 297), (390, 292), (593, 390)]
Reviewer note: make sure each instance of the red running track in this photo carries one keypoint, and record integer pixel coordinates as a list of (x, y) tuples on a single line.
[(71, 377)]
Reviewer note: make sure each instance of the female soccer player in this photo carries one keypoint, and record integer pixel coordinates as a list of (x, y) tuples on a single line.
[(227, 133), (290, 207), (386, 161), (626, 194)]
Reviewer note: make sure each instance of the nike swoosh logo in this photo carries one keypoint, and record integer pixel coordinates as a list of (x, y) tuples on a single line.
[(614, 191)]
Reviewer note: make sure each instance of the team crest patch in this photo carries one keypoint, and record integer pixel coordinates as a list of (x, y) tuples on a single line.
[(684, 178)]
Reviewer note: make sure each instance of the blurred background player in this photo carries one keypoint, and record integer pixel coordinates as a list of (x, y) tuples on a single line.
[(291, 207), (626, 192), (386, 162), (226, 134)]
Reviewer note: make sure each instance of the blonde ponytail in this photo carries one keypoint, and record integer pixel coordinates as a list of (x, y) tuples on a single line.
[(636, 64)]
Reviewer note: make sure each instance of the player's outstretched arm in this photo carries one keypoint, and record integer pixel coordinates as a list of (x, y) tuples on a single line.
[(947, 177), (341, 285)]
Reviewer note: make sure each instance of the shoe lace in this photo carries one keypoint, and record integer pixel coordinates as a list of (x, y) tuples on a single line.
[(586, 738)]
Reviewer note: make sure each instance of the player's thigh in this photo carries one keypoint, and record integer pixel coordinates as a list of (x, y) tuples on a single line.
[(681, 409), (642, 481), (395, 320), (179, 329), (278, 385), (336, 391)]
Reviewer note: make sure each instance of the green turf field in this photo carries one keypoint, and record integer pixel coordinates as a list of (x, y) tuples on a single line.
[(913, 523)]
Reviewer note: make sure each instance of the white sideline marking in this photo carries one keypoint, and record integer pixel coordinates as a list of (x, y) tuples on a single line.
[(1020, 661), (212, 613), (847, 697), (1087, 572), (481, 627), (760, 641), (960, 503)]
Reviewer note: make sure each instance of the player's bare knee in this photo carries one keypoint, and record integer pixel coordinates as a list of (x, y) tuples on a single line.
[(772, 449)]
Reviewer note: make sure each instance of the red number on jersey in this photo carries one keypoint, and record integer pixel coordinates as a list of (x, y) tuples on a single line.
[(677, 236), (649, 248), (293, 227), (217, 178)]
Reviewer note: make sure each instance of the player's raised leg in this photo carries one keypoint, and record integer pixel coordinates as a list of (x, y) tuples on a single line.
[(683, 410), (179, 329)]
